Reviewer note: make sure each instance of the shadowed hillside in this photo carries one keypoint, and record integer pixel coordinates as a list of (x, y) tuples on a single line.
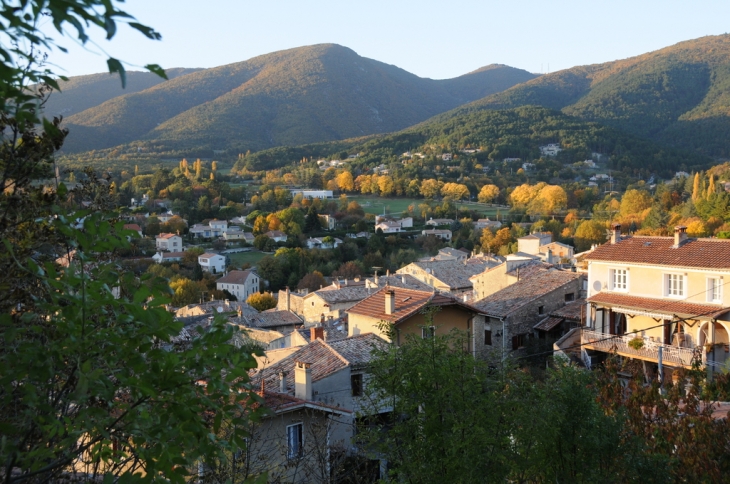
[(309, 94)]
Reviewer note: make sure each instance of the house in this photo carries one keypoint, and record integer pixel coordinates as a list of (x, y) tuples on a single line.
[(590, 163), (446, 156), (512, 160), (322, 194), (169, 243), (276, 235), (213, 263), (215, 228), (441, 234), (161, 257), (652, 294), (560, 321), (551, 149), (435, 222), (328, 221), (134, 227), (541, 245), (496, 277), (511, 313), (448, 276), (283, 321), (233, 234), (448, 253), (240, 284), (528, 166), (407, 311), (388, 227), (218, 226), (530, 244), (485, 223), (323, 242)]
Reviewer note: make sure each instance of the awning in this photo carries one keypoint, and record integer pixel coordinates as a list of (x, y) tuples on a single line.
[(548, 323), (657, 308)]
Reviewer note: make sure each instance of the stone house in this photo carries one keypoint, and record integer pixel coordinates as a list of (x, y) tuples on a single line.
[(240, 284), (449, 276)]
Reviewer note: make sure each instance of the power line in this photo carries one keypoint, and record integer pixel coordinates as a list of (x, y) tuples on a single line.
[(614, 336)]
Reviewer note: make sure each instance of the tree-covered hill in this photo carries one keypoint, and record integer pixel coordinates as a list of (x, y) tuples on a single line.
[(499, 134), (80, 93), (679, 95), (309, 94)]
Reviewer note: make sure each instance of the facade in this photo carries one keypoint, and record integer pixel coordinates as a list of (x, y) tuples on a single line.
[(236, 234), (408, 312), (213, 263), (328, 221), (436, 222), (388, 227), (441, 234), (321, 243), (652, 294), (485, 223), (276, 235), (496, 278), (511, 313), (240, 283), (169, 243), (323, 194), (161, 257)]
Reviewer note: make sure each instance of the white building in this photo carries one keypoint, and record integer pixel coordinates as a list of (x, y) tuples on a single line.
[(551, 149), (388, 227), (213, 263), (161, 257), (240, 283), (323, 194), (441, 234), (169, 242), (320, 243)]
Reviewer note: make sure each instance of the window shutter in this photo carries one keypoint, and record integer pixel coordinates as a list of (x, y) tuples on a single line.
[(515, 342)]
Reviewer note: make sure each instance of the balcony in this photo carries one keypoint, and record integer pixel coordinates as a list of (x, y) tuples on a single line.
[(675, 356)]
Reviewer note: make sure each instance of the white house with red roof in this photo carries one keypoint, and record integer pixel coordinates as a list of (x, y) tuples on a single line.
[(213, 263), (648, 295), (169, 242)]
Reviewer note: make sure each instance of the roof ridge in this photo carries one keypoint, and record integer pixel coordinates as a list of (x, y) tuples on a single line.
[(337, 353)]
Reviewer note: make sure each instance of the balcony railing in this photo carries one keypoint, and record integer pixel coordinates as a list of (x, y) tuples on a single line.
[(671, 355)]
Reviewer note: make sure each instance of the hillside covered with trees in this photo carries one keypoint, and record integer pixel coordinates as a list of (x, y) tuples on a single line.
[(317, 93), (677, 95)]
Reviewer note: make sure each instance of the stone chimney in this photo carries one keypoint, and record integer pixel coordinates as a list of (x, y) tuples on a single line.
[(549, 256), (376, 278), (615, 233), (302, 380), (282, 382), (389, 302), (680, 236), (316, 333), (288, 299)]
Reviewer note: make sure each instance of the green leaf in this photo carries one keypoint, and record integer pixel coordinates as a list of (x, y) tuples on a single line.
[(156, 69), (116, 66)]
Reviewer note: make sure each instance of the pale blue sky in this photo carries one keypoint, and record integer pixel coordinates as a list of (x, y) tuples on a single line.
[(437, 39)]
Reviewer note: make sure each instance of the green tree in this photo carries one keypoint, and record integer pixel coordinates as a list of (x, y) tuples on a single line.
[(261, 301), (488, 193), (589, 232)]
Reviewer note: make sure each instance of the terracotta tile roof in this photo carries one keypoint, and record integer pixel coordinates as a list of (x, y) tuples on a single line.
[(704, 253), (323, 361), (275, 233), (537, 235), (661, 306), (132, 227), (344, 294), (282, 402), (208, 255), (235, 277), (511, 298), (407, 303), (357, 349), (172, 255), (272, 319), (530, 269), (166, 236), (399, 280)]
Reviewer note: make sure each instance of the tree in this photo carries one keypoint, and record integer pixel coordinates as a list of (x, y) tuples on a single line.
[(549, 200), (312, 281), (696, 192), (430, 188), (261, 301), (488, 193), (348, 270), (455, 191), (589, 232), (185, 292), (634, 202), (345, 181), (311, 222)]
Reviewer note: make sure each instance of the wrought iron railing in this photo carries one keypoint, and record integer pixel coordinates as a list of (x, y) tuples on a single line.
[(671, 355)]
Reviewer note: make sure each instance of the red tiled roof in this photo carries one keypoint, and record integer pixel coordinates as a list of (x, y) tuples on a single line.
[(132, 227), (704, 253), (166, 236), (548, 323), (235, 277), (572, 310), (663, 306), (282, 402), (407, 303)]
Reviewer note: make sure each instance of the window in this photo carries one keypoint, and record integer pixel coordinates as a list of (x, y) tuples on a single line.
[(714, 289), (541, 310), (356, 383), (569, 297), (428, 332), (619, 279), (294, 441), (674, 284), (518, 341), (488, 337)]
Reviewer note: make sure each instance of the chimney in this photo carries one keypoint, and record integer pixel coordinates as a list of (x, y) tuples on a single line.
[(549, 255), (302, 380), (403, 279), (389, 302), (680, 236), (288, 299), (376, 277), (615, 233), (316, 333), (387, 273), (282, 382), (345, 282)]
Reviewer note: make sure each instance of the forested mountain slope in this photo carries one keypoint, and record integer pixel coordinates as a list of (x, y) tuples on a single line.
[(303, 95), (679, 95), (508, 133)]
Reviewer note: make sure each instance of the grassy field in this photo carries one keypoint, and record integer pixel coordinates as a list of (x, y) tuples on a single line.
[(396, 206), (252, 257)]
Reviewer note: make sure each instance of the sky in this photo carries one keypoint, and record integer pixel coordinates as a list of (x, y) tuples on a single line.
[(436, 39)]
